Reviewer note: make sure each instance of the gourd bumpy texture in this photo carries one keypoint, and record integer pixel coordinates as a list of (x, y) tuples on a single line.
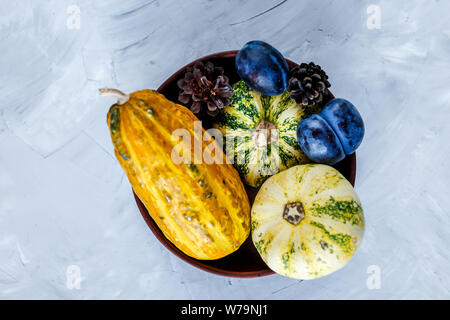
[(201, 208)]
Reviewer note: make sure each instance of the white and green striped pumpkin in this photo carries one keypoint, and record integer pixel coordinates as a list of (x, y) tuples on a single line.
[(307, 221), (261, 133)]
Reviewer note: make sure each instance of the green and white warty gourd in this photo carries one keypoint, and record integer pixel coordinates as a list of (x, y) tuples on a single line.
[(261, 133), (307, 221)]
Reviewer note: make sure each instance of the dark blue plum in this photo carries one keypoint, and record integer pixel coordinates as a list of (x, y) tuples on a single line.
[(346, 122), (263, 68), (318, 141)]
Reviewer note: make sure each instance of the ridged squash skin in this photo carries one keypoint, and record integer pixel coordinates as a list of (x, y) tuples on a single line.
[(201, 208), (330, 228), (250, 112)]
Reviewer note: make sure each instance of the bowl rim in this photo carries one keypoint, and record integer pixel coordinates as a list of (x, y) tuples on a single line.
[(159, 234)]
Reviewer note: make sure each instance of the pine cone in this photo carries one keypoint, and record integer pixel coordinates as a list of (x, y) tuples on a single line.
[(205, 87), (308, 84)]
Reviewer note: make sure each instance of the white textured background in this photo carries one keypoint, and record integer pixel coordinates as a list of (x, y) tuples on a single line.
[(64, 199)]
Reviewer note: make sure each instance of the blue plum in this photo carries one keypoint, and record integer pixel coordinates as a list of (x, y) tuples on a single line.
[(263, 68), (332, 134), (318, 140), (346, 122)]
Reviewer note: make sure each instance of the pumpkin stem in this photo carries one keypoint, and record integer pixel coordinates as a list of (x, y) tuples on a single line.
[(265, 133), (294, 213), (121, 97)]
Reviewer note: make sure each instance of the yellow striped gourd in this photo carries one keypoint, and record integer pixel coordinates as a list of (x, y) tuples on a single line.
[(201, 208)]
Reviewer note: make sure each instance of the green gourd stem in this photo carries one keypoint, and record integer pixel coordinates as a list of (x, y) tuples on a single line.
[(121, 97)]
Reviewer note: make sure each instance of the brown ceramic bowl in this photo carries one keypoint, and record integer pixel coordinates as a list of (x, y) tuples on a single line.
[(245, 262)]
